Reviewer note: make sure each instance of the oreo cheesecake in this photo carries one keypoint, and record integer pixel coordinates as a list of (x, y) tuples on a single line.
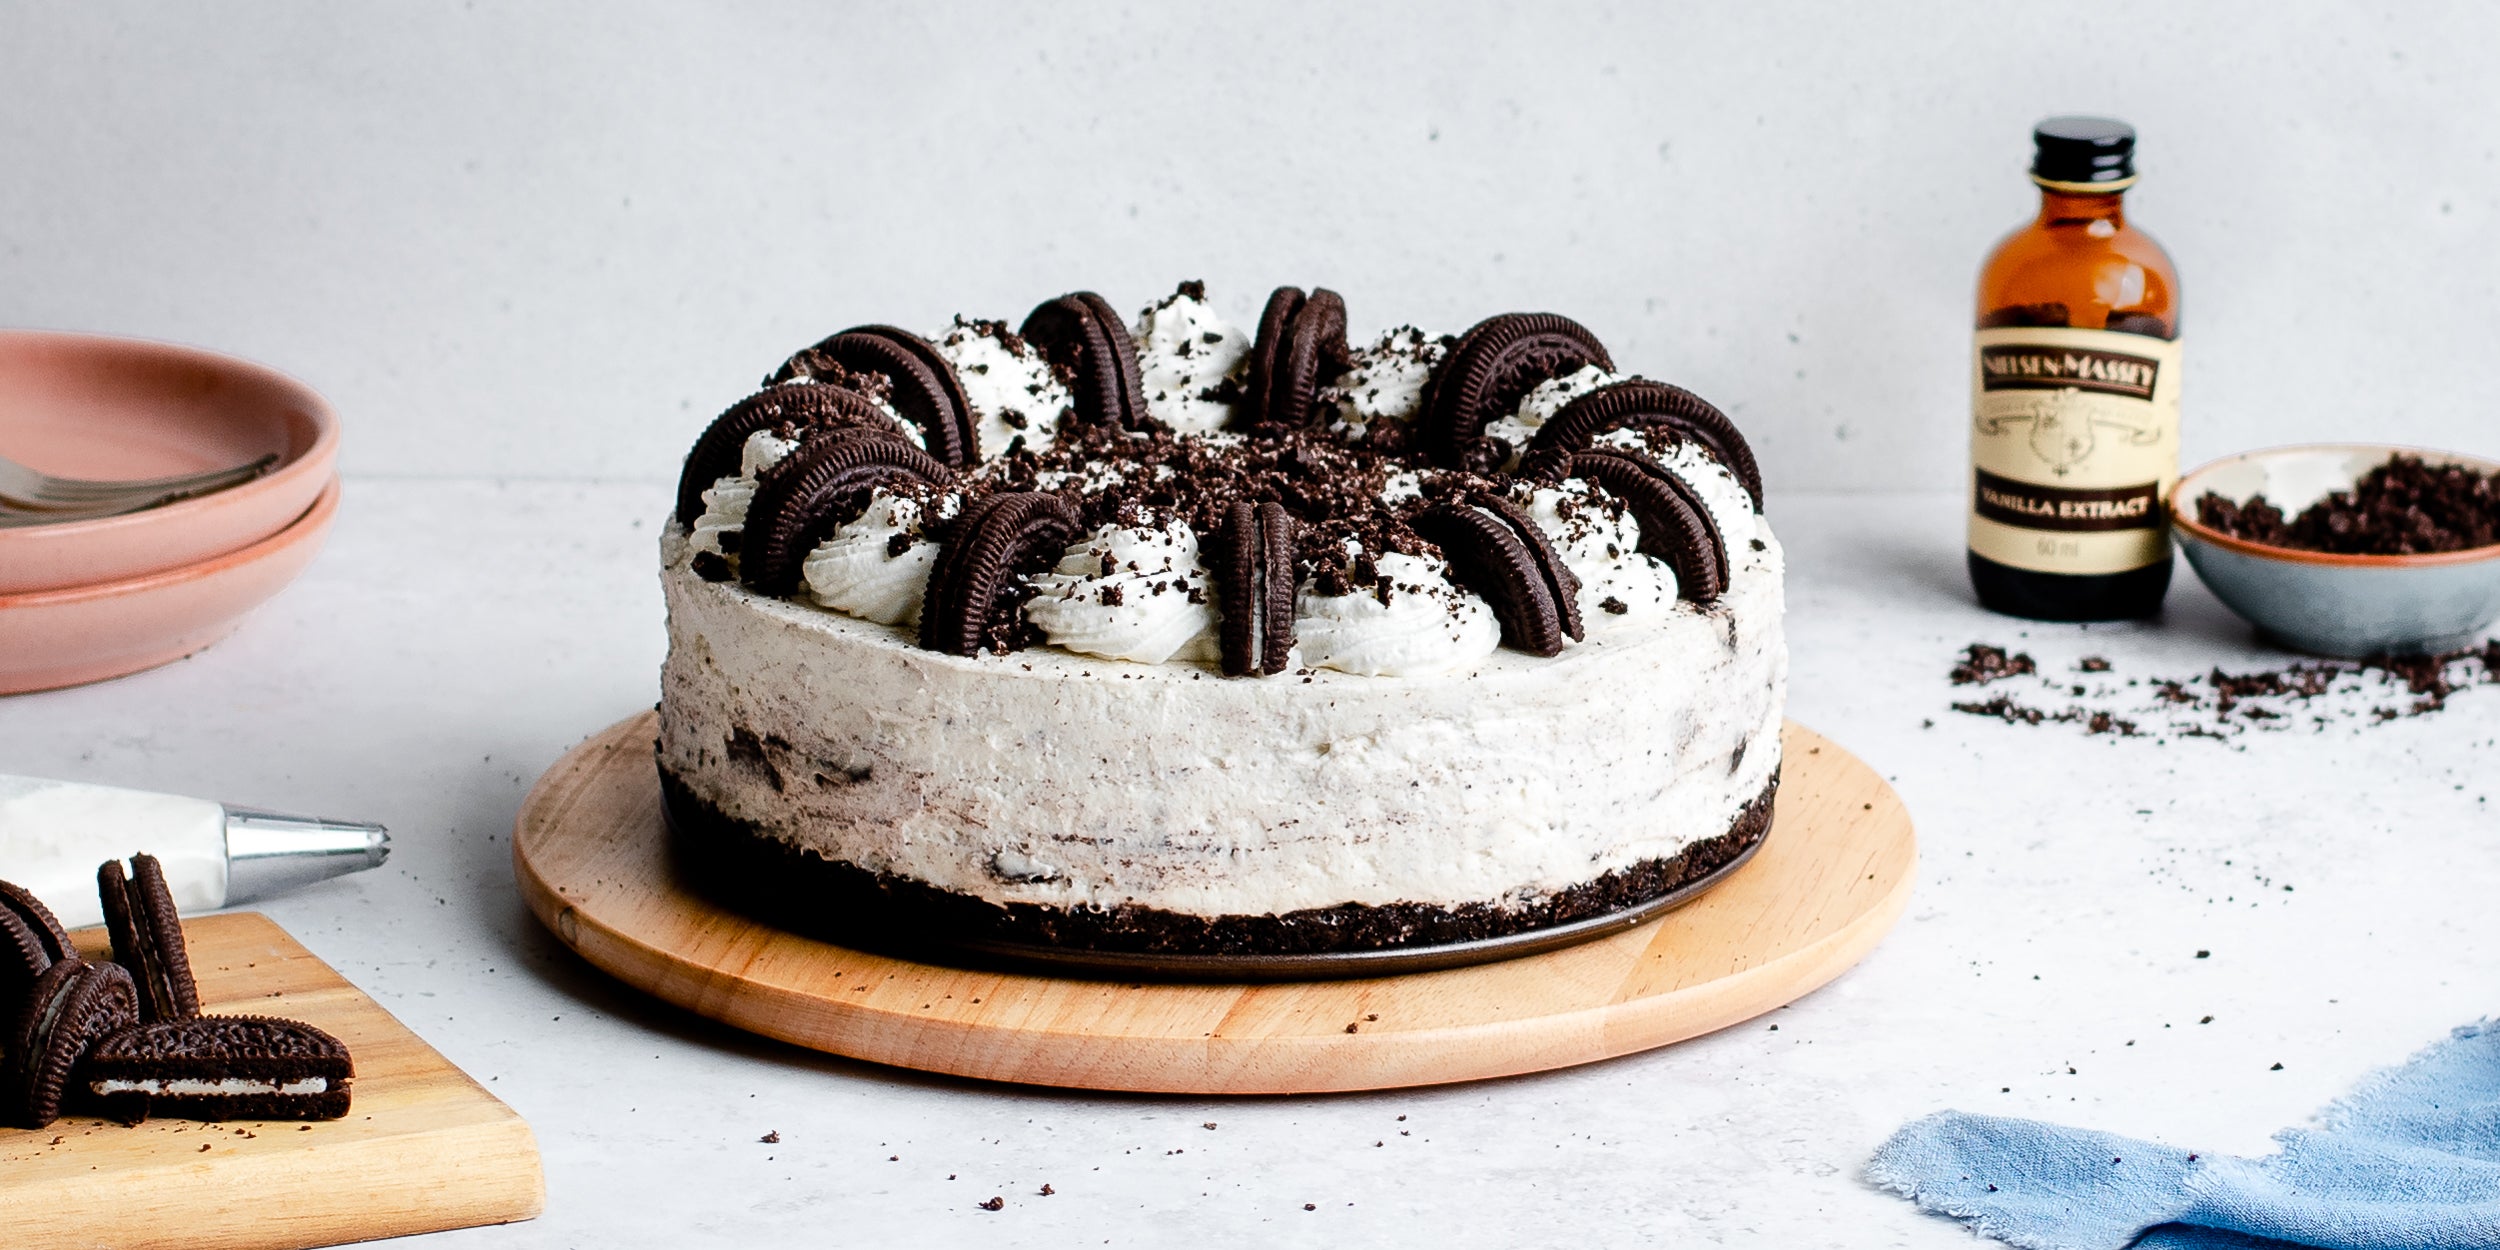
[(1161, 636)]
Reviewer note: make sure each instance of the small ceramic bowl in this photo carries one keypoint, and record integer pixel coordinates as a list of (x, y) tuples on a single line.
[(68, 637), (2322, 602), (82, 405)]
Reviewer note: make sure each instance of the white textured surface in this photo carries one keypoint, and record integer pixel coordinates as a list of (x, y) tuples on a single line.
[(611, 217), (458, 636)]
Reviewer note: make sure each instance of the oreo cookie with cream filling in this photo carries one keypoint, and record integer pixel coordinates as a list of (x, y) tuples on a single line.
[(1675, 524), (70, 1006), (220, 1068), (1498, 551), (147, 938), (31, 940), (799, 502), (971, 605), (803, 406), (1256, 591), (1301, 344), (924, 386), (1495, 364), (1267, 349), (1081, 332), (1639, 403)]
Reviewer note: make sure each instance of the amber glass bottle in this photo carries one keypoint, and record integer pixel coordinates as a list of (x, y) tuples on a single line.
[(2075, 394)]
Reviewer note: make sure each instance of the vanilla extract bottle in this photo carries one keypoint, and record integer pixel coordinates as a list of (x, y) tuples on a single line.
[(2075, 394)]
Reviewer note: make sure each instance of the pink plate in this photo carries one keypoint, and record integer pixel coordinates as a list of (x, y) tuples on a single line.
[(52, 638), (86, 406)]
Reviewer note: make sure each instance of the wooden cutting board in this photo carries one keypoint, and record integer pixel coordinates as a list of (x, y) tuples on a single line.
[(424, 1149), (590, 849)]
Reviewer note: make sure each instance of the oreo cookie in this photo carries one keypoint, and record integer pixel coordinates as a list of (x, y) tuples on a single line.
[(799, 502), (1082, 333), (926, 389), (147, 938), (971, 604), (1255, 553), (70, 1006), (1497, 551), (1676, 526), (220, 1068), (716, 454), (31, 940), (1639, 403), (1495, 364), (1267, 349), (1301, 343)]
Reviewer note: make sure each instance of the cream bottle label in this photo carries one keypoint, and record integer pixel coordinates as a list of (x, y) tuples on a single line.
[(2074, 445)]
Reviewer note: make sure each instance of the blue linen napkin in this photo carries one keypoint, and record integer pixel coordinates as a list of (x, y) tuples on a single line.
[(2409, 1161)]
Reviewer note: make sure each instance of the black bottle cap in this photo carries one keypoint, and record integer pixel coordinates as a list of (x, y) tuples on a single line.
[(2083, 154)]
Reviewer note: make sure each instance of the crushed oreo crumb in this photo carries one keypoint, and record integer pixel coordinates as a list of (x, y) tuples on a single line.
[(1983, 663), (2402, 507), (2221, 705)]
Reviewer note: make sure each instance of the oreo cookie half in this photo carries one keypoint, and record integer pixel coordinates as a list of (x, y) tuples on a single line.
[(970, 605), (31, 940), (1082, 332), (1267, 350), (926, 389), (1256, 594), (1640, 403), (715, 455), (147, 938), (799, 502), (1315, 350), (71, 1005), (1290, 360), (1497, 551), (220, 1068), (1675, 525), (1495, 364)]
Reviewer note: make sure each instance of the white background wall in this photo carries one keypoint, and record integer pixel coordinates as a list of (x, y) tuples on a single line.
[(553, 239)]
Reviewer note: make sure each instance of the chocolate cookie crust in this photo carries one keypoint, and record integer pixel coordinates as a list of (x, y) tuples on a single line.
[(748, 869)]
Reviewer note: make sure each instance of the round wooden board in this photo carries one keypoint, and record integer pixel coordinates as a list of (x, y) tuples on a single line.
[(590, 848)]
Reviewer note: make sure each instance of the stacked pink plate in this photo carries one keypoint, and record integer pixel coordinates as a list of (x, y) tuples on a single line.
[(81, 601)]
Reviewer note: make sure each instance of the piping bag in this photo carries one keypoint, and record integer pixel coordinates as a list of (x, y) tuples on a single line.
[(54, 835)]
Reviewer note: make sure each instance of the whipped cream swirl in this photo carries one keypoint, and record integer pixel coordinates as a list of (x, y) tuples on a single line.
[(1540, 404), (1412, 623), (1129, 594), (1189, 359), (1011, 387), (1722, 494), (1598, 538), (1386, 382), (725, 501), (876, 567)]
